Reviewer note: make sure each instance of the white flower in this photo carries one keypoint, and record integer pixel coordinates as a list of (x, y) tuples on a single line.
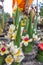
[(13, 48), (14, 35), (0, 42), (10, 44), (11, 29), (25, 40), (35, 37), (12, 26), (26, 44), (22, 28), (9, 60), (19, 56), (35, 30), (4, 50)]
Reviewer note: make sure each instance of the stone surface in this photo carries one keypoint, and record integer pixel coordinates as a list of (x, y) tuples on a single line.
[(31, 55), (32, 62)]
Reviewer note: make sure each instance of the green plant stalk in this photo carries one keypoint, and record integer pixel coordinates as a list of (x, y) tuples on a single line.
[(30, 26), (26, 27), (1, 60), (17, 41), (17, 17), (27, 49), (41, 11), (35, 25), (15, 63), (40, 58)]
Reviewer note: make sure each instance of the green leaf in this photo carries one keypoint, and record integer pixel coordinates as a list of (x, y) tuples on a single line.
[(1, 60), (15, 63), (41, 11), (27, 49), (17, 41), (26, 27), (35, 25), (17, 17), (30, 26)]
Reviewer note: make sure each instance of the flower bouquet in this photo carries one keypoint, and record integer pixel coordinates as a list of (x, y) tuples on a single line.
[(23, 34), (10, 54)]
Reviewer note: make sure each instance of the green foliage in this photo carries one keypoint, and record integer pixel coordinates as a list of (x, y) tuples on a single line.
[(27, 22), (40, 58), (41, 11), (26, 27), (17, 41), (40, 52), (15, 63), (27, 49), (6, 17), (35, 26), (30, 26), (1, 60), (0, 20), (17, 17)]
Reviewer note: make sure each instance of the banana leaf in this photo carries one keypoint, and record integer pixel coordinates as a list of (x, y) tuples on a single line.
[(17, 17), (35, 25), (1, 60), (17, 41), (26, 27), (30, 26), (27, 49)]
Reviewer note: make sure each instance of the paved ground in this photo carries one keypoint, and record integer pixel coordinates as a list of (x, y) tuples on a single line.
[(32, 62)]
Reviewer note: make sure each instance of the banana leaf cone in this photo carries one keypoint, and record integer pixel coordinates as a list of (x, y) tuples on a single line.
[(1, 60), (25, 28), (17, 17), (28, 28), (27, 49), (17, 41), (40, 58), (30, 32)]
